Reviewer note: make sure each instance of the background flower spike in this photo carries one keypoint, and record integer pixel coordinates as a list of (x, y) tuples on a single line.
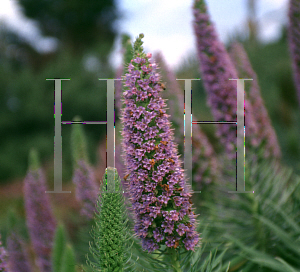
[(216, 69), (294, 41), (84, 176), (37, 208), (265, 137)]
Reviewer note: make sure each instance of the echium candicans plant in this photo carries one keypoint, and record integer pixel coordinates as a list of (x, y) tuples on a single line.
[(18, 260), (3, 258), (110, 233), (294, 40), (40, 220), (205, 165), (160, 196), (217, 68), (266, 138), (83, 177)]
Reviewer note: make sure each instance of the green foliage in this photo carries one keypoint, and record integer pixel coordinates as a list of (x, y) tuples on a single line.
[(28, 122), (68, 260), (263, 225), (110, 233), (59, 248)]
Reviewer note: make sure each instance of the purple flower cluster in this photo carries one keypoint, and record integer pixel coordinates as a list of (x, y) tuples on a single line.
[(154, 175), (18, 259), (294, 40), (205, 165), (86, 188), (265, 133), (3, 258), (216, 69), (40, 220)]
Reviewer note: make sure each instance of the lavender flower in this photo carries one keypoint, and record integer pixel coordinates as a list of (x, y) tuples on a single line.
[(3, 258), (86, 188), (40, 221), (265, 134), (216, 69), (294, 40), (18, 257), (152, 191), (205, 166)]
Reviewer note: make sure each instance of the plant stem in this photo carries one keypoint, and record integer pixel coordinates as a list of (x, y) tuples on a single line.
[(174, 258)]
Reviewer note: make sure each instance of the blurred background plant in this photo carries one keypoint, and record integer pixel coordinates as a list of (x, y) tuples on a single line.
[(85, 40)]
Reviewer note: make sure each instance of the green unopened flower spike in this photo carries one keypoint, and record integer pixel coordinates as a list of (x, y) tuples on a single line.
[(110, 233)]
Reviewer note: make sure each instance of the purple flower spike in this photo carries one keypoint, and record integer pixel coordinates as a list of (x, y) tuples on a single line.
[(3, 258), (265, 133), (18, 257), (294, 40), (40, 220), (216, 69), (154, 176), (86, 188), (205, 165)]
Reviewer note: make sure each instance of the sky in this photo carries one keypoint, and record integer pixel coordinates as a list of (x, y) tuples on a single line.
[(166, 24)]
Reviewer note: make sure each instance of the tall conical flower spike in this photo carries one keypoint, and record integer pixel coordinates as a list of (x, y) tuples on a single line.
[(3, 258), (40, 220), (205, 166), (110, 234), (216, 69), (294, 40), (265, 133), (160, 196), (83, 177)]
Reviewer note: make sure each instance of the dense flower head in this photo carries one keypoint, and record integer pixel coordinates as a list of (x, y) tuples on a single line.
[(294, 40), (154, 175), (3, 258), (264, 134), (216, 69)]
